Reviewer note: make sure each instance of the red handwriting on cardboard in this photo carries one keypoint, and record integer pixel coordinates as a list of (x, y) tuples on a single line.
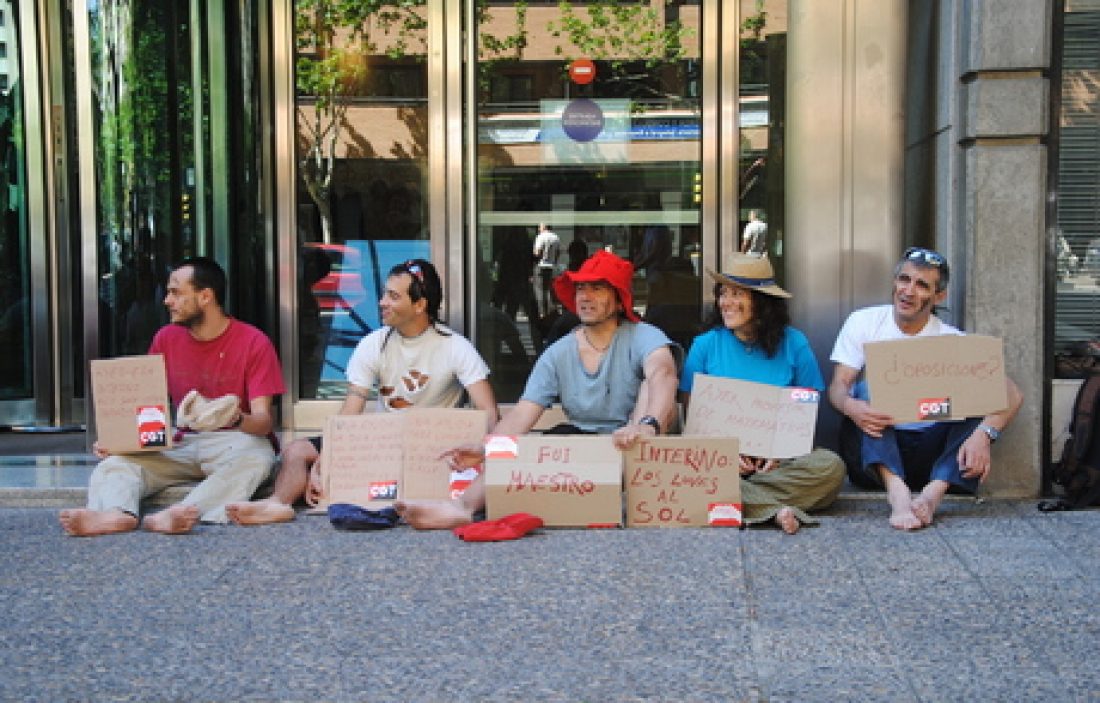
[(560, 482), (924, 370), (362, 454), (431, 432), (119, 388), (670, 479)]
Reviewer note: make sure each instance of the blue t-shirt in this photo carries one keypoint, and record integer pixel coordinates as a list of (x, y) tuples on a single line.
[(719, 352), (602, 401)]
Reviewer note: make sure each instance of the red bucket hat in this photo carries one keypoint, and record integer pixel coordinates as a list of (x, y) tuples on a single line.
[(601, 266)]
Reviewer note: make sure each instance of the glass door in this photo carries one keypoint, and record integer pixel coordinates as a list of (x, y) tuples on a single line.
[(17, 150), (589, 123), (361, 151)]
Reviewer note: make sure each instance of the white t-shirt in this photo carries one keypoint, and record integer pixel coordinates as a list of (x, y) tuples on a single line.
[(430, 370), (547, 247), (876, 324)]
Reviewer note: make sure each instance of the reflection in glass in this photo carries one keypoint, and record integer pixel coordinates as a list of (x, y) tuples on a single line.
[(16, 363), (362, 148), (1077, 236), (595, 133), (175, 157), (761, 96)]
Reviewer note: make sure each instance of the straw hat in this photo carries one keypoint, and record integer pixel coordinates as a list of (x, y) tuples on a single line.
[(752, 273), (601, 266)]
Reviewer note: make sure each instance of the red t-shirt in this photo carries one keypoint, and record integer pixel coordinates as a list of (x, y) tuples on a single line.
[(241, 361)]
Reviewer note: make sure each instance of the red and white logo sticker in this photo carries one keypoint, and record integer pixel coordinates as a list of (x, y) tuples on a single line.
[(461, 480), (724, 514), (934, 408), (804, 395), (152, 426), (382, 490), (499, 446)]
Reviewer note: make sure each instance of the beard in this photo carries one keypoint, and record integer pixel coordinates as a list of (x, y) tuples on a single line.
[(191, 321)]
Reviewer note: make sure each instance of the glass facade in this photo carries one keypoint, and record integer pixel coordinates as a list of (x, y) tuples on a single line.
[(17, 364), (177, 159), (361, 82), (591, 131), (1077, 233)]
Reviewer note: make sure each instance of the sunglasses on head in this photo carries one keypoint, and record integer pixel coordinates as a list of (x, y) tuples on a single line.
[(414, 269), (928, 256)]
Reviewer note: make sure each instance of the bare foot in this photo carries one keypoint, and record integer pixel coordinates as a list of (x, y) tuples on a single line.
[(173, 520), (905, 520), (924, 510), (90, 523), (433, 514), (259, 512), (786, 520)]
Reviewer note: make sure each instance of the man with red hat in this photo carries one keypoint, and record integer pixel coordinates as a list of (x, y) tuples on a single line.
[(613, 374)]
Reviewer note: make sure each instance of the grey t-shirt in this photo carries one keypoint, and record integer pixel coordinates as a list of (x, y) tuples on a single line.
[(602, 401)]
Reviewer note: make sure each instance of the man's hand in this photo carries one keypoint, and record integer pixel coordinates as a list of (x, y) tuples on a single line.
[(315, 486), (973, 456), (625, 437), (867, 419), (466, 456)]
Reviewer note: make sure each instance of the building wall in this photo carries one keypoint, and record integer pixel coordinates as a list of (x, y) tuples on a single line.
[(1001, 180)]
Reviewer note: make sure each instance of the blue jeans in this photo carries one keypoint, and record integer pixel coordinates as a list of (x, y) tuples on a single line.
[(916, 456)]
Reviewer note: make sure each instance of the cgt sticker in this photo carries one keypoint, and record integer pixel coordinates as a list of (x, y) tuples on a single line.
[(151, 426), (382, 490), (724, 514), (804, 395), (934, 408)]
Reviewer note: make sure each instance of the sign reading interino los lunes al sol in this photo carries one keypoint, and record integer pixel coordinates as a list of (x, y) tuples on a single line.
[(683, 482), (949, 377)]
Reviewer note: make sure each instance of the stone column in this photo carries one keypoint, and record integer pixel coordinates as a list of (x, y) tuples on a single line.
[(1000, 229)]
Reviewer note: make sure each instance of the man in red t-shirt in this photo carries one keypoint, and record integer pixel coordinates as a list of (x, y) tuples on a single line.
[(207, 351)]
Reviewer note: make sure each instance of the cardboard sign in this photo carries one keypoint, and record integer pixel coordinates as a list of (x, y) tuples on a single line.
[(362, 459), (428, 433), (374, 458), (950, 377), (771, 422), (130, 400), (683, 482), (567, 480)]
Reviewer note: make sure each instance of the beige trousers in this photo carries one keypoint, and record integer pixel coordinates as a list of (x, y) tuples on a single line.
[(808, 482), (229, 465)]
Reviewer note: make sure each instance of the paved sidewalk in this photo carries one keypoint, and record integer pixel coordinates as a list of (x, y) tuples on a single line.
[(995, 602)]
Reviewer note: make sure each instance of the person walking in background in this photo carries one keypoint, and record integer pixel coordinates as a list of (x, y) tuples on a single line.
[(547, 250), (754, 238)]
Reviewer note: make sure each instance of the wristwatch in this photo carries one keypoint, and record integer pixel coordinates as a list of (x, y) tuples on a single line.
[(992, 432), (652, 422)]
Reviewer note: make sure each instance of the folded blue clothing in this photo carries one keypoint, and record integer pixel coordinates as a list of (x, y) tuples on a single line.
[(345, 516)]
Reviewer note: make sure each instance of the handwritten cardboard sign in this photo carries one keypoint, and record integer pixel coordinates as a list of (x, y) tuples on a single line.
[(948, 377), (683, 482), (362, 459), (428, 433), (374, 458), (130, 400), (772, 422), (568, 481)]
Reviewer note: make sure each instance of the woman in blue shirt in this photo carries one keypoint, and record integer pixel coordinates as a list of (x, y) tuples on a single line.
[(750, 339)]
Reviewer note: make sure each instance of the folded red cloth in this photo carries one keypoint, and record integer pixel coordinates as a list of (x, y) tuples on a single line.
[(508, 527)]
